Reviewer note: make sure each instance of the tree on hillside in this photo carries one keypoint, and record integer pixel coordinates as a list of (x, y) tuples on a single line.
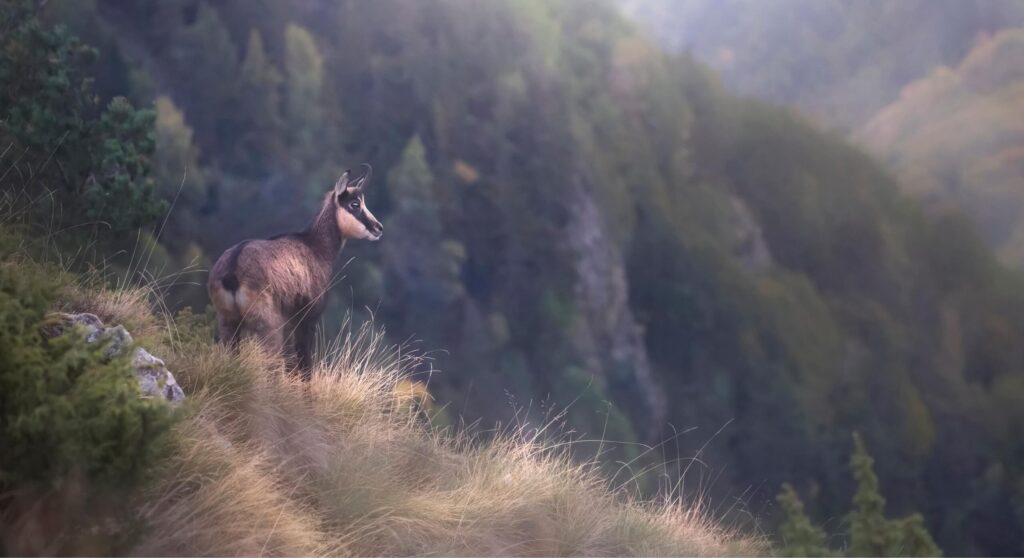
[(72, 157), (800, 537), (205, 63), (260, 144), (304, 69), (423, 267), (176, 161), (871, 534), (181, 179)]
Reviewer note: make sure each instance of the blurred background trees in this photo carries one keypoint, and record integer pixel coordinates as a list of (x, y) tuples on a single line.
[(931, 87)]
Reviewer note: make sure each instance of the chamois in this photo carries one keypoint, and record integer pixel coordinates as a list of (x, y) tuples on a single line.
[(275, 289)]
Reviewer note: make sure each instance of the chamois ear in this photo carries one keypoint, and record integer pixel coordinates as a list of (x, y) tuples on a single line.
[(342, 184), (362, 181)]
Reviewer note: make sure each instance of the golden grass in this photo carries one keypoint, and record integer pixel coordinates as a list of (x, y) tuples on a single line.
[(347, 465)]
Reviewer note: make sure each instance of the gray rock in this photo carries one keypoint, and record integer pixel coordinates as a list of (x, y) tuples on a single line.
[(90, 321), (59, 323), (116, 339), (155, 380)]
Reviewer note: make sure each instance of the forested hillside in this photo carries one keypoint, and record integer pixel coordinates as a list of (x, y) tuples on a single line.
[(584, 226), (956, 139), (932, 87), (839, 60)]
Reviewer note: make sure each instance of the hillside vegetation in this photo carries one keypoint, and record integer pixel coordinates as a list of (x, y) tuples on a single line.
[(839, 60), (578, 225), (956, 139), (258, 463), (930, 87)]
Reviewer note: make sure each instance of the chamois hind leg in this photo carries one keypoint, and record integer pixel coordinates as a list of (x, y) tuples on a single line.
[(270, 334), (266, 325), (303, 341), (228, 330)]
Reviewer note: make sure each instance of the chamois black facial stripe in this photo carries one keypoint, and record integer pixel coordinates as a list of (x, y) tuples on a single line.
[(360, 215), (365, 220)]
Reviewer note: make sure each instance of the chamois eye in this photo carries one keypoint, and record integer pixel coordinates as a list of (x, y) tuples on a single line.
[(354, 205)]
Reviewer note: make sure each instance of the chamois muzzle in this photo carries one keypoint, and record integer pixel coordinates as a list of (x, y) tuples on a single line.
[(376, 229)]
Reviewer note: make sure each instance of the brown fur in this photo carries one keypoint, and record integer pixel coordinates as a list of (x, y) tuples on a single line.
[(275, 290)]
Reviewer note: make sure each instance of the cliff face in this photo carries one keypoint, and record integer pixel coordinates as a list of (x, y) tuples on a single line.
[(606, 332), (749, 246)]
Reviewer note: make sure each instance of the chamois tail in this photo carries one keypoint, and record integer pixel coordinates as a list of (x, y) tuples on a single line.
[(226, 291), (230, 282)]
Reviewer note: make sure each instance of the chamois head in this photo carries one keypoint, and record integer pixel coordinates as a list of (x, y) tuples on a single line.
[(353, 217)]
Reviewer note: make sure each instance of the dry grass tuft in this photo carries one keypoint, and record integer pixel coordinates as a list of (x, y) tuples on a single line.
[(347, 465), (130, 307)]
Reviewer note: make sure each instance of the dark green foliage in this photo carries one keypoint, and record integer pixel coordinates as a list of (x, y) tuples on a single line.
[(304, 72), (57, 137), (799, 536), (424, 268), (45, 88), (210, 88), (192, 329), (119, 189), (871, 534), (260, 141), (65, 408)]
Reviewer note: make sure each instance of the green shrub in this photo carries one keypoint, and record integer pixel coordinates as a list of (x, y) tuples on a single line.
[(94, 161), (65, 408), (800, 537), (191, 329)]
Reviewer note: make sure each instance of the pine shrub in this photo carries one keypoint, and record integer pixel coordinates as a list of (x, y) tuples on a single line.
[(66, 408)]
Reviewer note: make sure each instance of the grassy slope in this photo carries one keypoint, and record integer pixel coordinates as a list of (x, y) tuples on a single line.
[(346, 465)]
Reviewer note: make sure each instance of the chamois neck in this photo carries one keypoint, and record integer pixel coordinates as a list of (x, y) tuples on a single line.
[(323, 234)]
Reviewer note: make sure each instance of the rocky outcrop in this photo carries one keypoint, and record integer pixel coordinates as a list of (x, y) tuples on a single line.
[(155, 380), (749, 246), (609, 335)]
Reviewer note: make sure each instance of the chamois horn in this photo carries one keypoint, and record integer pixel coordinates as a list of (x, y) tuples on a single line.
[(365, 179)]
